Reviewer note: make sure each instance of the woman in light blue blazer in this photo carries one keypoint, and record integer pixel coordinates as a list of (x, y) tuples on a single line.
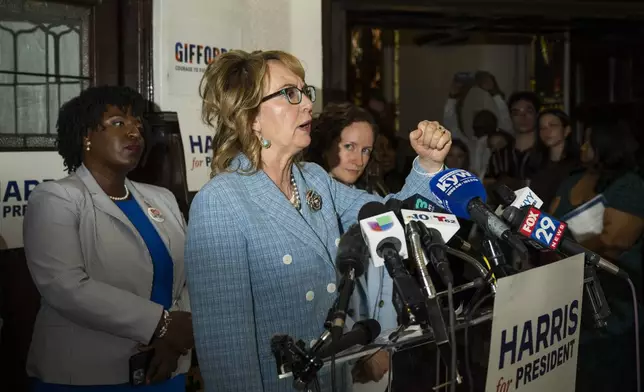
[(343, 141), (263, 233)]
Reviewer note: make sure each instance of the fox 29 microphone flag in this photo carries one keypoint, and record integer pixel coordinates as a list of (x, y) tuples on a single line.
[(453, 190)]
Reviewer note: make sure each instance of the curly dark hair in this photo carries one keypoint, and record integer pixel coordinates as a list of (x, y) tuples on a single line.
[(85, 112), (328, 126)]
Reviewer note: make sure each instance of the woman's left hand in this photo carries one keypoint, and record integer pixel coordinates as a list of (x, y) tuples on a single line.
[(432, 143), (165, 361)]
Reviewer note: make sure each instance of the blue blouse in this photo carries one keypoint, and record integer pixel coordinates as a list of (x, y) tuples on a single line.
[(161, 259), (162, 281)]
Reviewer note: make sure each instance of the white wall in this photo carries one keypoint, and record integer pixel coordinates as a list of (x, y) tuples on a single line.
[(426, 73), (291, 25)]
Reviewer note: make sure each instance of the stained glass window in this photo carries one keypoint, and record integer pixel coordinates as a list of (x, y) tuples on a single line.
[(44, 61)]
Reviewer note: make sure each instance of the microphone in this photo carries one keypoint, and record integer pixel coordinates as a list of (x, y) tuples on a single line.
[(434, 309), (544, 231), (433, 241), (381, 228), (413, 231), (421, 209), (306, 364), (445, 224), (462, 193), (419, 202), (437, 219), (386, 240), (363, 332), (350, 264), (519, 199)]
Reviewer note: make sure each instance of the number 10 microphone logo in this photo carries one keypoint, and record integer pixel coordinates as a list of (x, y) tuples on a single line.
[(542, 228)]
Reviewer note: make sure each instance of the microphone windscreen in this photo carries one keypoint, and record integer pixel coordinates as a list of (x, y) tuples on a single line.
[(505, 194), (371, 327), (454, 189), (370, 209), (418, 202), (513, 216), (352, 252), (394, 205)]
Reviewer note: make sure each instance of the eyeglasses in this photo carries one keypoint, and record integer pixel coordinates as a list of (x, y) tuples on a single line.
[(293, 94)]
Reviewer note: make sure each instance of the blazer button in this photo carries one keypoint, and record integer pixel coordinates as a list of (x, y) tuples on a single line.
[(287, 259), (330, 288), (310, 295), (381, 304)]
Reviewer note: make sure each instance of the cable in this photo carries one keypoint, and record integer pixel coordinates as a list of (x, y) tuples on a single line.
[(452, 327), (489, 267), (333, 389), (438, 370), (474, 263), (468, 319), (477, 295), (637, 334)]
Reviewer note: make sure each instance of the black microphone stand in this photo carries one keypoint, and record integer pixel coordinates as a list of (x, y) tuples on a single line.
[(491, 250), (594, 297)]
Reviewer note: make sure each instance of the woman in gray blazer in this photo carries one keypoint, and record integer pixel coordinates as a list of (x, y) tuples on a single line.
[(106, 255), (264, 231)]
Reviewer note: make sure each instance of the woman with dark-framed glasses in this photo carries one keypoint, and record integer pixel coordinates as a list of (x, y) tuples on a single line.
[(263, 233)]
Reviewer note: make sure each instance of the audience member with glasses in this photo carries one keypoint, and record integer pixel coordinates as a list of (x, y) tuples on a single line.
[(263, 233)]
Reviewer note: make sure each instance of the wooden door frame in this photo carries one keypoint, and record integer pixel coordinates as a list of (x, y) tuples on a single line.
[(121, 52)]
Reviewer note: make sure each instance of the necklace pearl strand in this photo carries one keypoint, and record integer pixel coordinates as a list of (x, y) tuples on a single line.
[(295, 197), (127, 194)]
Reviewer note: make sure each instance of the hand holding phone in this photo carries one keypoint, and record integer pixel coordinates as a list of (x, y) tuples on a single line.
[(164, 362), (139, 365)]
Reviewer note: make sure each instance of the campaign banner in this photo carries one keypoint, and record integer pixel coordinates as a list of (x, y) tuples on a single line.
[(20, 173), (535, 329), (186, 46)]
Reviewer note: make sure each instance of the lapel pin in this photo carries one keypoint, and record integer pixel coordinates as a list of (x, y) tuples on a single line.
[(155, 214), (313, 200)]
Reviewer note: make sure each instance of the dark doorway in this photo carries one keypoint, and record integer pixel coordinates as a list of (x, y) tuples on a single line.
[(604, 40)]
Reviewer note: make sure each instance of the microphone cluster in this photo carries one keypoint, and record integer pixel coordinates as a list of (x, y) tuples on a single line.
[(412, 240)]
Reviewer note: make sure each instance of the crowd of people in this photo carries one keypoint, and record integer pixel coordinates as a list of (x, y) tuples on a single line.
[(524, 145), (126, 284)]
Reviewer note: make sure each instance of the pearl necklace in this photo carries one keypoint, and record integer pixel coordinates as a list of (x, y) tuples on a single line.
[(127, 194), (295, 197)]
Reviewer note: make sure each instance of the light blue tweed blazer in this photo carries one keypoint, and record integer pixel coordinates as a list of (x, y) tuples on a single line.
[(257, 267)]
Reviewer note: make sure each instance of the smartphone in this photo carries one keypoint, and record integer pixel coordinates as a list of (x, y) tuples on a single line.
[(139, 364), (464, 77)]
